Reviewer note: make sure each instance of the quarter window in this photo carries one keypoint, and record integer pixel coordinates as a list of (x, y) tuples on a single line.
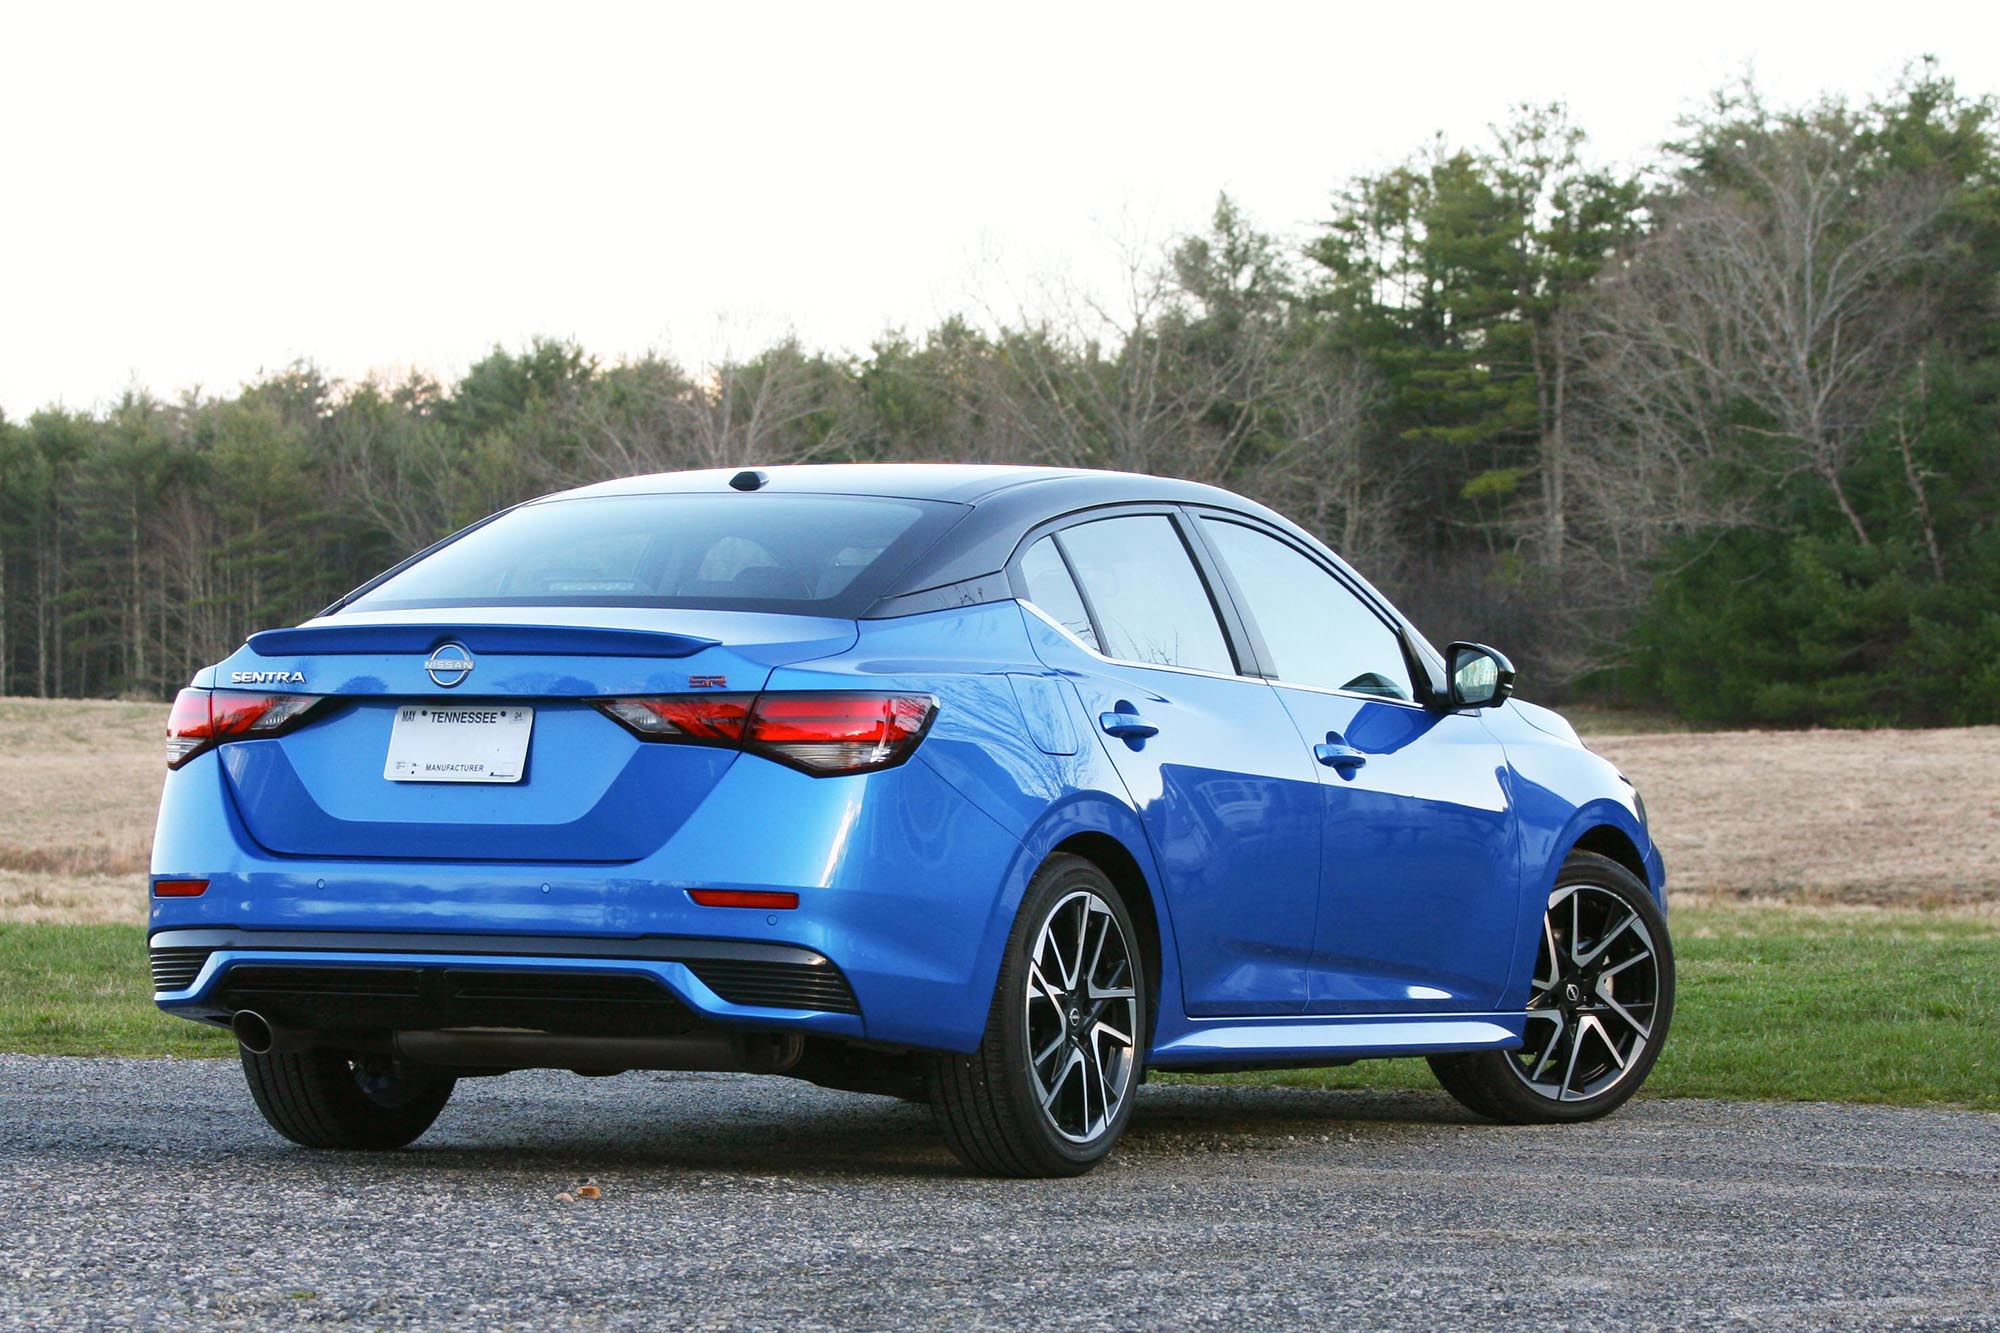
[(1318, 632), (1052, 589), (1150, 602)]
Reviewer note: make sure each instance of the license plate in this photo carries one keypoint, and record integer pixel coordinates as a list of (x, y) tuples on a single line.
[(463, 743)]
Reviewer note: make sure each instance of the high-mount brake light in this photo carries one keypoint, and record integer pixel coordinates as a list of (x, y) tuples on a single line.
[(822, 733), (204, 718)]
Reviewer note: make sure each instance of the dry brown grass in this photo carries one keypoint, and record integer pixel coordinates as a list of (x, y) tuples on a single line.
[(79, 786), (1882, 818), (1836, 819)]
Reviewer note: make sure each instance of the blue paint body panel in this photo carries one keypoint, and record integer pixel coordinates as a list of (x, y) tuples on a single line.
[(1299, 909)]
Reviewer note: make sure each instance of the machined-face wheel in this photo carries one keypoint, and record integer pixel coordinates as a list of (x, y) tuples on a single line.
[(1053, 1081), (1595, 997), (1599, 1005), (1081, 1015)]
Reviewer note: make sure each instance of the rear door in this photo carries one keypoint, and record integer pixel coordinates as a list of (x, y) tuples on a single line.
[(1227, 794), (1419, 881)]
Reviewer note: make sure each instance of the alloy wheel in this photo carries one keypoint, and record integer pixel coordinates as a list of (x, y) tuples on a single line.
[(1595, 996), (1082, 1015)]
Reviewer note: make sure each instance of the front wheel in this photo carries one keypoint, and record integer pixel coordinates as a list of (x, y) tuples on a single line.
[(322, 1099), (1598, 1009), (1050, 1088)]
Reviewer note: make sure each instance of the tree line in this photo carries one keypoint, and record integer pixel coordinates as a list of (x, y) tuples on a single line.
[(1719, 432)]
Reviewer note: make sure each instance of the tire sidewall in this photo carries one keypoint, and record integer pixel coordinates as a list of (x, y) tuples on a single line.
[(1586, 869), (1059, 878)]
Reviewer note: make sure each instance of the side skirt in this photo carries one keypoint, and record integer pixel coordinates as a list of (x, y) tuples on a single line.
[(1249, 1043)]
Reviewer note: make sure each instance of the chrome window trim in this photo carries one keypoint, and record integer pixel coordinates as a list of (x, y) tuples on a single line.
[(1345, 694), (1089, 651)]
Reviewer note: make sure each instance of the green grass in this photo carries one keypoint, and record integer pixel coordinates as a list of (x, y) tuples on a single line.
[(1795, 1004), (1775, 1003), (84, 990)]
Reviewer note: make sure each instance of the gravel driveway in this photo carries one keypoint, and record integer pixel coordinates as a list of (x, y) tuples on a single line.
[(145, 1192)]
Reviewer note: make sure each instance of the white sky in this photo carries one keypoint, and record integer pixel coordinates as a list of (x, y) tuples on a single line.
[(192, 193)]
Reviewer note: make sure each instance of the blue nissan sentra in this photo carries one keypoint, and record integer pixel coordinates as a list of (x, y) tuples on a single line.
[(992, 787)]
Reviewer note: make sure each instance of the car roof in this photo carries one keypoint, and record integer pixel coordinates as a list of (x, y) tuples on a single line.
[(958, 483), (1003, 503)]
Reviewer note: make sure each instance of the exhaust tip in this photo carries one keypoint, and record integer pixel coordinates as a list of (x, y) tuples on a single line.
[(253, 1032)]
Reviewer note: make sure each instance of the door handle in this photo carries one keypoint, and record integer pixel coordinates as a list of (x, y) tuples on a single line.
[(1337, 753), (1126, 725)]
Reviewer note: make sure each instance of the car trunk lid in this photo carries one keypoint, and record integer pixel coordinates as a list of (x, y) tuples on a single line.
[(587, 791)]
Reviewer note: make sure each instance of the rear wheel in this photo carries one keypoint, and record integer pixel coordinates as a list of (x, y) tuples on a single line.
[(1598, 1009), (1050, 1088), (324, 1100)]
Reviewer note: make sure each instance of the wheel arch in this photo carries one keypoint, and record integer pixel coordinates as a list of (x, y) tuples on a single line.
[(1122, 868), (1609, 829), (1611, 842)]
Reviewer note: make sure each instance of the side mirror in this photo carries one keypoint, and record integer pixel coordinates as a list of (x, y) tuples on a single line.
[(1481, 677)]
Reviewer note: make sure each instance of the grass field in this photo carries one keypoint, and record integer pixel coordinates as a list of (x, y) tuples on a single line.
[(1815, 1004), (1836, 903)]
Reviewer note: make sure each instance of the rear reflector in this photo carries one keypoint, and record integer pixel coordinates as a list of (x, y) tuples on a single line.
[(179, 888), (202, 718), (744, 898), (820, 733)]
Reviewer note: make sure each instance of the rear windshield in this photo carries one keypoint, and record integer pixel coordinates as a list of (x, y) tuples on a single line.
[(808, 554)]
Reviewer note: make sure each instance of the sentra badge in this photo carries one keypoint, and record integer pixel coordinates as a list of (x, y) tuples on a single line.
[(267, 678)]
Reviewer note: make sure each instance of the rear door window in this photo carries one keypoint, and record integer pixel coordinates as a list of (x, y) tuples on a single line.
[(1150, 603)]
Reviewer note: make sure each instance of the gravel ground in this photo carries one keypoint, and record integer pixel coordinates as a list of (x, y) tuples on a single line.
[(147, 1192)]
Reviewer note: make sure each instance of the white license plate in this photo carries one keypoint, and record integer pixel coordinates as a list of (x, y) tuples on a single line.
[(463, 743)]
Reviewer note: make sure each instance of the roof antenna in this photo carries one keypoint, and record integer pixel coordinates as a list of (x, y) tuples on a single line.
[(749, 480)]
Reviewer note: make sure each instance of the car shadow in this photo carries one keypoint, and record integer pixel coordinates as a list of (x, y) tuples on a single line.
[(805, 1133)]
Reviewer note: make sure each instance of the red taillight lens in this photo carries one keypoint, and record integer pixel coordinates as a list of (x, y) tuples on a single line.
[(201, 718), (188, 730), (704, 717), (840, 733), (179, 888), (823, 734)]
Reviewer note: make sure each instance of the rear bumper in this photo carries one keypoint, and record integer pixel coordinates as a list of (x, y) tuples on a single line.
[(335, 981), (903, 886)]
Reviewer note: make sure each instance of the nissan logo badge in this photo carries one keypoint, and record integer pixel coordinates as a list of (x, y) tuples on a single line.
[(448, 664)]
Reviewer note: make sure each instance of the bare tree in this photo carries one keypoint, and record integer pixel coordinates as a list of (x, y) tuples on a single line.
[(1784, 283), (780, 408)]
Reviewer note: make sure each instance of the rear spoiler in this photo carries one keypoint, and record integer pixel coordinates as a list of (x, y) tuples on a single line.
[(518, 640)]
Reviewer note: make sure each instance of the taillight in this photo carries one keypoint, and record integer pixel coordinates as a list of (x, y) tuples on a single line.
[(202, 718), (704, 718), (822, 734)]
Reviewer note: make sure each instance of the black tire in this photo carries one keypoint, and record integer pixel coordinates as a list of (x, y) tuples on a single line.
[(324, 1100), (1604, 983), (990, 1103)]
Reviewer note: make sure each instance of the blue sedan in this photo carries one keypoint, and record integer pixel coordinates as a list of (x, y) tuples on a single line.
[(990, 787)]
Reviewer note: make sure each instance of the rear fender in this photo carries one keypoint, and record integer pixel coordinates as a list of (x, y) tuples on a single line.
[(1108, 816), (972, 659)]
